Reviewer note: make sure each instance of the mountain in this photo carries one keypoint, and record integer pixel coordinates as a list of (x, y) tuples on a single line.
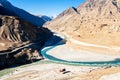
[(21, 36), (20, 41), (16, 29), (18, 25), (45, 18), (62, 19), (4, 11), (7, 6), (95, 21), (69, 11)]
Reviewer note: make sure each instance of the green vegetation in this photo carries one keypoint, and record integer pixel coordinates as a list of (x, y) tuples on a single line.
[(11, 70)]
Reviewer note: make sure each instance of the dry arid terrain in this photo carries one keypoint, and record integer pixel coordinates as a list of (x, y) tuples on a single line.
[(95, 21), (91, 48), (20, 39), (52, 71), (95, 27), (56, 71)]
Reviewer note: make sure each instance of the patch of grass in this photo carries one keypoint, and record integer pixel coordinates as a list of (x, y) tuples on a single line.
[(6, 71)]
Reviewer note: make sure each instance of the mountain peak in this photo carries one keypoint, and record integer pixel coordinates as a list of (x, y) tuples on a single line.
[(72, 10), (69, 11), (97, 18)]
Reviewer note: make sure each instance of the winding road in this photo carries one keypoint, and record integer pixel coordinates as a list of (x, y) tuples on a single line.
[(17, 49), (45, 54)]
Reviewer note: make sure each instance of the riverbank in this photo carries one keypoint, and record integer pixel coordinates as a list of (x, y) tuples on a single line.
[(63, 53), (67, 53), (55, 71), (49, 71), (52, 71)]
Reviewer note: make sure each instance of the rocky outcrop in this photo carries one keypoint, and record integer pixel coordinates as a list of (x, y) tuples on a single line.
[(100, 8), (26, 55), (16, 29), (16, 32)]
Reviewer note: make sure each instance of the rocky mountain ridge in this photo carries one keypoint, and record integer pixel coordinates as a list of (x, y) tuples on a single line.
[(15, 33), (97, 22), (71, 10), (21, 37), (6, 6)]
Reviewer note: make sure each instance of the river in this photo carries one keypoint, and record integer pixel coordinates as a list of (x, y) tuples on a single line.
[(44, 53)]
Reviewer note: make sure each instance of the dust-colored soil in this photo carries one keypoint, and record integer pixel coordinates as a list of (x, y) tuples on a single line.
[(97, 74), (51, 71)]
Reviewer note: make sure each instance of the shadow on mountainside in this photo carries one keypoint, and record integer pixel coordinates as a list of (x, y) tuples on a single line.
[(14, 11), (27, 54), (54, 40)]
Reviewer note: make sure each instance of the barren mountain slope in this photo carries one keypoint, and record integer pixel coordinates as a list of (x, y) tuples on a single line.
[(16, 29), (20, 37), (97, 21), (20, 41)]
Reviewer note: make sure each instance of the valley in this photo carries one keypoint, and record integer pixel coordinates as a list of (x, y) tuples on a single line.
[(81, 43)]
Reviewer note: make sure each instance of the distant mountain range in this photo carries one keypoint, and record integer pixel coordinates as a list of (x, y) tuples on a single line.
[(7, 8), (45, 18), (14, 23)]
